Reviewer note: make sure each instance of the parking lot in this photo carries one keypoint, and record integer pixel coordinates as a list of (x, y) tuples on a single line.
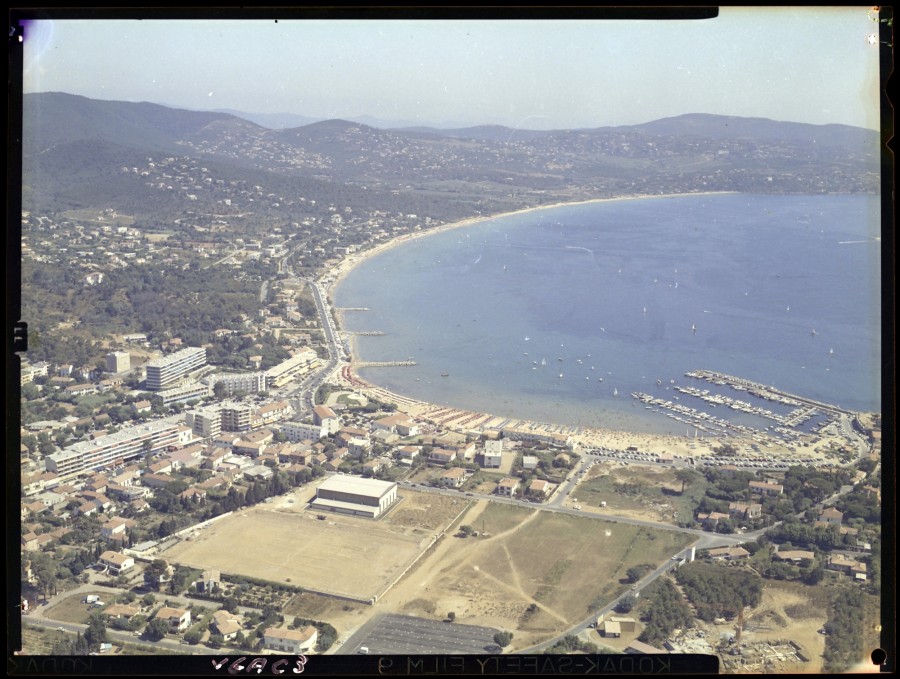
[(403, 634)]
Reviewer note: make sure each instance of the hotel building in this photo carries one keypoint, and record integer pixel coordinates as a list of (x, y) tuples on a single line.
[(114, 449), (166, 371)]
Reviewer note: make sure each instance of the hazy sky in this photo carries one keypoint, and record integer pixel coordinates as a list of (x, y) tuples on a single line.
[(802, 64)]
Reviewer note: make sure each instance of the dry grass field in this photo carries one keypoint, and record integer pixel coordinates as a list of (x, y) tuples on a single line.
[(40, 641), (536, 573), (71, 609), (344, 555)]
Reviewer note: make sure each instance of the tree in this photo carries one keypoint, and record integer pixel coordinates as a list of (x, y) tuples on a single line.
[(157, 629), (686, 476), (451, 616), (96, 631), (503, 639), (148, 599), (193, 637), (635, 573), (625, 605)]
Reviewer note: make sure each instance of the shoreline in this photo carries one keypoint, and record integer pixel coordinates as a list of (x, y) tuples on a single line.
[(348, 263), (459, 418)]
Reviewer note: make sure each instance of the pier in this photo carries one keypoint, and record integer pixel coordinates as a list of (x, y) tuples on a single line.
[(764, 392), (352, 308), (382, 364), (369, 333)]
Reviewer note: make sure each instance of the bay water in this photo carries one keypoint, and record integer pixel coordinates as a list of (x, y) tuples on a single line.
[(559, 314)]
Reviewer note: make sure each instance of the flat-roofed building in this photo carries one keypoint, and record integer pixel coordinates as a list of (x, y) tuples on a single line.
[(302, 431), (529, 461), (169, 370), (354, 495), (114, 449), (236, 417), (492, 455), (118, 362), (640, 647), (249, 383), (611, 628), (183, 393), (298, 365), (205, 423)]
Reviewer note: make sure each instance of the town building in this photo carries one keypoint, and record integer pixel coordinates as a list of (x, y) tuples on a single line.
[(299, 365), (326, 417), (116, 562), (492, 455), (227, 624), (114, 449), (204, 423), (233, 383), (354, 495), (831, 516), (729, 553), (178, 619), (184, 393), (453, 477), (169, 370), (118, 362), (302, 431), (295, 642), (529, 462), (236, 417), (765, 488), (508, 487)]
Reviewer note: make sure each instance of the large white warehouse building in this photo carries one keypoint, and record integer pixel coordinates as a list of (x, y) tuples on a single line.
[(355, 495)]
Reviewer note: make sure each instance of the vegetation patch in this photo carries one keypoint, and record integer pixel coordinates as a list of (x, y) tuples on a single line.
[(718, 592)]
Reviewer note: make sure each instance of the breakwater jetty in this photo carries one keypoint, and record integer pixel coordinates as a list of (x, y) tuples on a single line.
[(765, 392)]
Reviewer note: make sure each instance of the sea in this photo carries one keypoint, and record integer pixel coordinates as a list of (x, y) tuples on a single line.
[(558, 315)]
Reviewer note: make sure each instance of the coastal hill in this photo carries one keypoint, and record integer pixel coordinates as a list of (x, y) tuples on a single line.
[(75, 148)]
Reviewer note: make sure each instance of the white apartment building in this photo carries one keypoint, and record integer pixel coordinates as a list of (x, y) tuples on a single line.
[(169, 370), (205, 423), (107, 451), (183, 393), (300, 431), (249, 383), (118, 361)]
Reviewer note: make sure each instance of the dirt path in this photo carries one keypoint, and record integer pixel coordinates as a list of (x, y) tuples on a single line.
[(520, 592)]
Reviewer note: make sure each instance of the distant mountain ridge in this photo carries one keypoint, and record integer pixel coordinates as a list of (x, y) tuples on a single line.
[(73, 142)]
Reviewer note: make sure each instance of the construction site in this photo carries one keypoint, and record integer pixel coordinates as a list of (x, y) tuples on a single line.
[(763, 656)]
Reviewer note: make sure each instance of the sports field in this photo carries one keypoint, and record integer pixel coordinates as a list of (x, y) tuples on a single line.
[(340, 555)]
